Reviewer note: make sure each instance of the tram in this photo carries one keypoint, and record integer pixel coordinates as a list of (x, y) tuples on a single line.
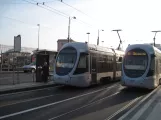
[(141, 66), (82, 64)]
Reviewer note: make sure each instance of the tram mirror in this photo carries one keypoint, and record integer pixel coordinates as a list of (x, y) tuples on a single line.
[(84, 53), (152, 55)]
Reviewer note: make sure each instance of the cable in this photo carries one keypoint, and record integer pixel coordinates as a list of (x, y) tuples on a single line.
[(55, 10), (58, 12), (45, 8), (43, 3), (70, 6), (24, 22), (77, 9), (16, 20), (80, 21), (14, 3)]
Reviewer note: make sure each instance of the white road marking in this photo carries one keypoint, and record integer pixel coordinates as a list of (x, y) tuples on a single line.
[(30, 91), (28, 100), (140, 102), (119, 88), (3, 78), (83, 106), (140, 112), (50, 104), (122, 109)]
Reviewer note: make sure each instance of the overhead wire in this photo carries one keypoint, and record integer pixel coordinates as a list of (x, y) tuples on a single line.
[(43, 3), (47, 9), (70, 7), (80, 21), (16, 20), (58, 12), (51, 9), (23, 22), (75, 8)]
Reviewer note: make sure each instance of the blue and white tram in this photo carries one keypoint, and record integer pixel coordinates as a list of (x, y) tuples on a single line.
[(141, 66), (82, 64)]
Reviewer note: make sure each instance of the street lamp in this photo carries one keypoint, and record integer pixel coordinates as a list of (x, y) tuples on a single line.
[(69, 27), (38, 34), (155, 35), (98, 36), (88, 36), (119, 37), (102, 43)]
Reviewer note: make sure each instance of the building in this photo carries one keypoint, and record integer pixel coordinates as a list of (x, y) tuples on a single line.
[(61, 42), (8, 57)]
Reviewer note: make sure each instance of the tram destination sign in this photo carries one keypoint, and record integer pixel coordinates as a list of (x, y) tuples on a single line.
[(136, 53)]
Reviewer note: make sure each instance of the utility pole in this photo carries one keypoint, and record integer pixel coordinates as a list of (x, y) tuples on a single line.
[(69, 27), (119, 37), (1, 60), (102, 43), (88, 36), (155, 35), (98, 36), (38, 34)]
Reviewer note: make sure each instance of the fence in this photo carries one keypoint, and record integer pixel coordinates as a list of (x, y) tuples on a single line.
[(17, 76), (11, 64)]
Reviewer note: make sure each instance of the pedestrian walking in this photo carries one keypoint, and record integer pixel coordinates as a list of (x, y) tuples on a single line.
[(45, 72)]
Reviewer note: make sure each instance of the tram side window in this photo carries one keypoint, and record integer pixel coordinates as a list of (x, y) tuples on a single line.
[(118, 66), (82, 66)]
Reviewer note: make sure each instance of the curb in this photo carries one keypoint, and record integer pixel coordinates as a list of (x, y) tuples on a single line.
[(26, 89)]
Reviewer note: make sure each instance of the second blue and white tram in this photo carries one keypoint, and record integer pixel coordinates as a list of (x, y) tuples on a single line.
[(82, 64), (141, 66)]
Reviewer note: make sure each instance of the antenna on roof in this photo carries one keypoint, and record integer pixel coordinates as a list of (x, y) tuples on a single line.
[(119, 37), (155, 35)]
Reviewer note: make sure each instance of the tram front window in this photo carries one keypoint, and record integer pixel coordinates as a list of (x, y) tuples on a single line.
[(82, 66), (135, 63), (65, 61)]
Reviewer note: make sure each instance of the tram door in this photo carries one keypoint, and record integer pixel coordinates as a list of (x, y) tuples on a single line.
[(93, 69)]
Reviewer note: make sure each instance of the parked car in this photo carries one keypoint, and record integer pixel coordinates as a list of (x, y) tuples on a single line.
[(29, 68)]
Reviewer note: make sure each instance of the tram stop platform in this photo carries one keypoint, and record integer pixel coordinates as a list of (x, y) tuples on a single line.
[(149, 108)]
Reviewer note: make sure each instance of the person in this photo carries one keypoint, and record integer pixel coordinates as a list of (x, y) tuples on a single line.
[(45, 72)]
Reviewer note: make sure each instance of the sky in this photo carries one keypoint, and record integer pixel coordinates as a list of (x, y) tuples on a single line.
[(136, 18)]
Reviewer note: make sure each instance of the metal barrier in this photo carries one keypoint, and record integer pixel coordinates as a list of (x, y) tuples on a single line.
[(17, 76)]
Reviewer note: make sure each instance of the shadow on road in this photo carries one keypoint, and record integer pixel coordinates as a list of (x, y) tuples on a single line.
[(111, 104)]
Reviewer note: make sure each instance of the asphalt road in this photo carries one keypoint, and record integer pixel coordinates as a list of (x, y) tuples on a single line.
[(99, 102)]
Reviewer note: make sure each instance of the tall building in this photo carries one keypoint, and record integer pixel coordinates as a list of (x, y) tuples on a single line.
[(61, 42)]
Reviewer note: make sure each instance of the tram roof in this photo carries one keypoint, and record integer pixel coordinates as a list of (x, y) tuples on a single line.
[(149, 48), (86, 47)]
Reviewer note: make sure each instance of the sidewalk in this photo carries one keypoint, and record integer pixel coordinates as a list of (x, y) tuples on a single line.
[(147, 109), (4, 89)]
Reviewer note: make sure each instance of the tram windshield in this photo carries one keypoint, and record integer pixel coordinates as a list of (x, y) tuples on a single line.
[(135, 63), (66, 60)]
